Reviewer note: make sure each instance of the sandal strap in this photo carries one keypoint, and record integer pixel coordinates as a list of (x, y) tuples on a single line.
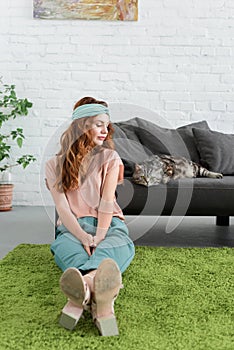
[(94, 310), (87, 298)]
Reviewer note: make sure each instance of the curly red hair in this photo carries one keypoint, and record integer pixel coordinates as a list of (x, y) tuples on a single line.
[(76, 144)]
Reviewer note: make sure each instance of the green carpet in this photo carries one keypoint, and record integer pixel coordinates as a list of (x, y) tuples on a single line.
[(174, 298)]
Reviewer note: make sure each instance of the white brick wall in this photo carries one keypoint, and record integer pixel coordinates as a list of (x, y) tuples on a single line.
[(177, 60)]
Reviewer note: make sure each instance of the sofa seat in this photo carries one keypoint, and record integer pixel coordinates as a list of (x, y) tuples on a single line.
[(199, 196)]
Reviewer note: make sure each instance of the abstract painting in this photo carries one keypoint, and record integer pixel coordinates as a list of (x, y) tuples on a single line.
[(110, 10)]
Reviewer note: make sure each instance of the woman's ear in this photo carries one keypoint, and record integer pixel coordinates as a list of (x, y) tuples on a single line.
[(88, 123)]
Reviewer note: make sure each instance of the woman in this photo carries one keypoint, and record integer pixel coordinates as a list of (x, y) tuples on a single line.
[(92, 244)]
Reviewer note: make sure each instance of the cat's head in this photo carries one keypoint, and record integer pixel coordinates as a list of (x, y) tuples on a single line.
[(148, 173)]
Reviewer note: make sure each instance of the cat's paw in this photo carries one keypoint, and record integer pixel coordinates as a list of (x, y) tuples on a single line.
[(219, 176)]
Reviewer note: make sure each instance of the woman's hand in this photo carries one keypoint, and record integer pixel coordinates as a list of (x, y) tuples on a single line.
[(87, 242), (87, 249), (90, 243), (97, 240)]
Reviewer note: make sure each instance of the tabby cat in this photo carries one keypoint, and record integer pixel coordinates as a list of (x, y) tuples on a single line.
[(160, 169)]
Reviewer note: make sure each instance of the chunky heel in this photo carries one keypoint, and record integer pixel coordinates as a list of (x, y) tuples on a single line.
[(107, 326), (70, 315)]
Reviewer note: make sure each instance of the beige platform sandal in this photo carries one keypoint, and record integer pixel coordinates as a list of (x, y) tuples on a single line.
[(107, 283), (76, 289)]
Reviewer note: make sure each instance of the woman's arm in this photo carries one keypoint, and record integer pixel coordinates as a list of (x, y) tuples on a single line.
[(67, 217), (106, 206)]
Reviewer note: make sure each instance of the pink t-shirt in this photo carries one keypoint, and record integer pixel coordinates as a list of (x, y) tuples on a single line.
[(85, 200)]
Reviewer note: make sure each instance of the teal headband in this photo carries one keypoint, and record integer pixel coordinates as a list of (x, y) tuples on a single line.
[(89, 110)]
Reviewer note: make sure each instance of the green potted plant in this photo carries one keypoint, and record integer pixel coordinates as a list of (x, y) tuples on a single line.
[(10, 107)]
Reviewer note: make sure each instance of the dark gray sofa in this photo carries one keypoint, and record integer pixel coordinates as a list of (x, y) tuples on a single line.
[(136, 139)]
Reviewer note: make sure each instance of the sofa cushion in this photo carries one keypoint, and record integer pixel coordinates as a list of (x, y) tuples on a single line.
[(178, 142), (129, 128), (129, 147), (216, 150), (159, 140), (186, 133)]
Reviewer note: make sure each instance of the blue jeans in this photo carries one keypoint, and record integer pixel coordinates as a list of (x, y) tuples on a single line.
[(69, 252)]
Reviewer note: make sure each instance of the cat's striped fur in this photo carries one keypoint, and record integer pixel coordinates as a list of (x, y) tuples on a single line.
[(160, 169)]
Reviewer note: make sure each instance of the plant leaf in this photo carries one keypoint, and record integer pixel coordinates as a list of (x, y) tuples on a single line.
[(19, 141)]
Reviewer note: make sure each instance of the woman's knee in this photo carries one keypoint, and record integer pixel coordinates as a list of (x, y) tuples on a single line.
[(68, 253)]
